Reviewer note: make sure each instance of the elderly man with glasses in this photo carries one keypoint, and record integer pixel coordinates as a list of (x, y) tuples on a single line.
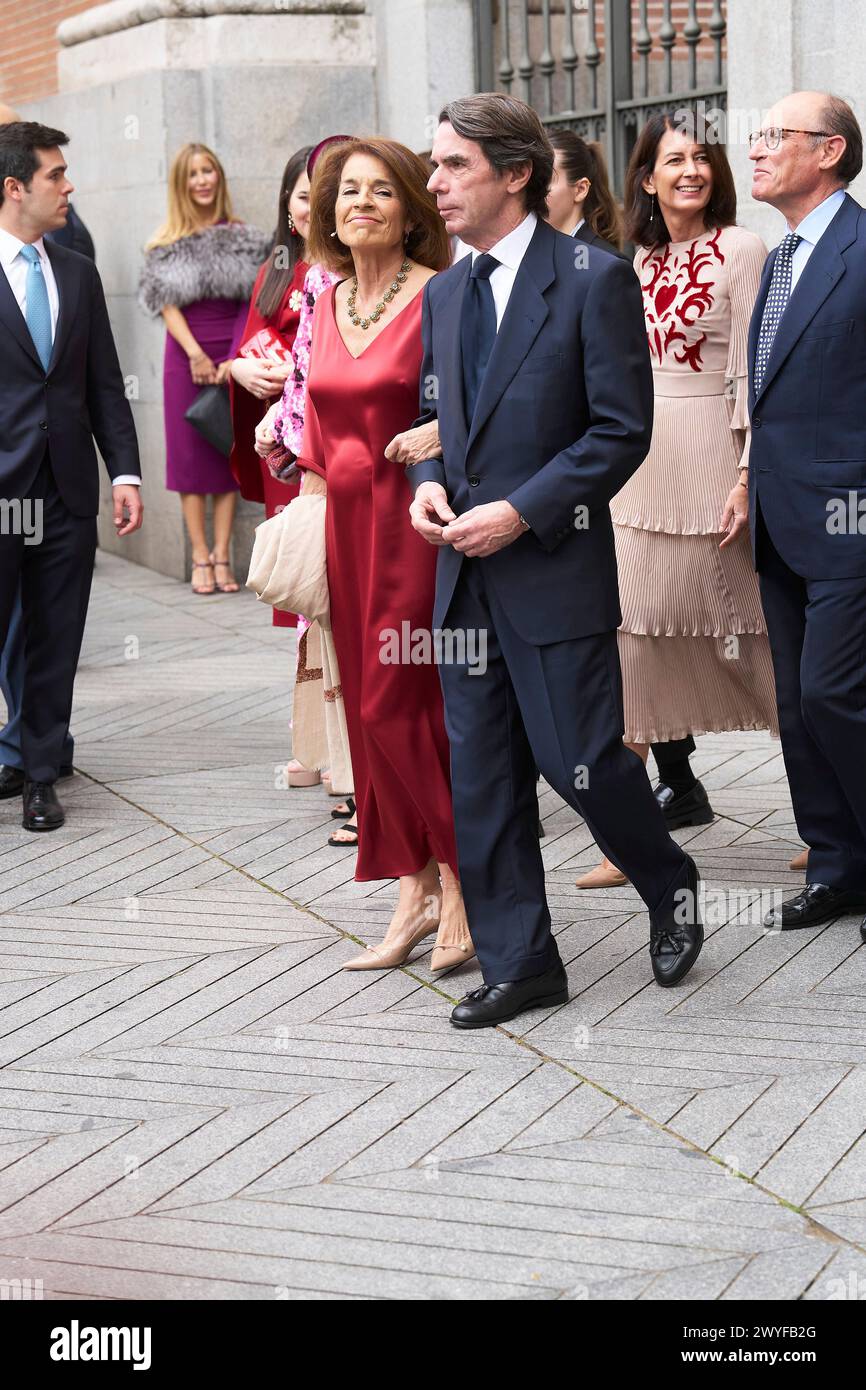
[(807, 489)]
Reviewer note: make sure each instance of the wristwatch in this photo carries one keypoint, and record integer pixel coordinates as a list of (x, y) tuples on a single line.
[(524, 523)]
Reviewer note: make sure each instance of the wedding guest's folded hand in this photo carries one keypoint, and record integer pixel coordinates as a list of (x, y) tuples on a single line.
[(314, 484), (483, 530), (261, 379), (265, 438), (202, 369), (430, 512), (413, 446)]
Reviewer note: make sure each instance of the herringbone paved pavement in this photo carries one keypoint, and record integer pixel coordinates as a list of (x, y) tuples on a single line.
[(198, 1103)]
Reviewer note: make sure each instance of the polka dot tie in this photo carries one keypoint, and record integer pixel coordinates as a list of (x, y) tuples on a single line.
[(775, 305)]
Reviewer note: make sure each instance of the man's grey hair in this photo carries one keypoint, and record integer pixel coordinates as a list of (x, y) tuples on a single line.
[(837, 118), (510, 135)]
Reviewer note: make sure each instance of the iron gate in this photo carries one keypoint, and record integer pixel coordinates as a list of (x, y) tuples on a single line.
[(601, 67)]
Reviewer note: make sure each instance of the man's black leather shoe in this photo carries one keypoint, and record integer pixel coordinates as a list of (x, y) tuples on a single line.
[(686, 808), (12, 779), (677, 938), (817, 903), (492, 1004), (11, 782), (42, 810)]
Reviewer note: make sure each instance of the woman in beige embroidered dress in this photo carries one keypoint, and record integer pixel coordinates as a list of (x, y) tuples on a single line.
[(693, 646)]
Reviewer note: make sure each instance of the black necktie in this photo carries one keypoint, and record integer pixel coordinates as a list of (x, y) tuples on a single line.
[(477, 328)]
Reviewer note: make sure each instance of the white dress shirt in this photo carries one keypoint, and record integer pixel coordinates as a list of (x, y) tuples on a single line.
[(576, 228), (509, 252), (15, 268), (811, 229)]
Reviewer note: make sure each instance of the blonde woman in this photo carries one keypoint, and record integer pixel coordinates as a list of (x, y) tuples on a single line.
[(199, 272)]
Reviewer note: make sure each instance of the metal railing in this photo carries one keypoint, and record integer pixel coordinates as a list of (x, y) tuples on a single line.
[(601, 67)]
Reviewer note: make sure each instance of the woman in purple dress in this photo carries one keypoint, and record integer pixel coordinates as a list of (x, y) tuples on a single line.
[(199, 272)]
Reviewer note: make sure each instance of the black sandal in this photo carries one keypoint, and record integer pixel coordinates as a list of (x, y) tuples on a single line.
[(345, 844), (349, 803)]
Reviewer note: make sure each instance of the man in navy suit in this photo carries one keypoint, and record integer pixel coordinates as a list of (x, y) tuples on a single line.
[(807, 486), (76, 236), (60, 385), (536, 365)]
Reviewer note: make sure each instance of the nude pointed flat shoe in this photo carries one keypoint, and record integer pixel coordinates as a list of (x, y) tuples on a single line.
[(798, 863), (444, 957), (602, 876), (377, 958)]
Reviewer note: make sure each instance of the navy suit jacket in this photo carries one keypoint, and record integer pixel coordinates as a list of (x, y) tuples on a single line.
[(80, 397), (591, 238), (563, 418), (809, 419)]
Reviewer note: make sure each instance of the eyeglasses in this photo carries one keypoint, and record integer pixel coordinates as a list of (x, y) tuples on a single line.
[(772, 136)]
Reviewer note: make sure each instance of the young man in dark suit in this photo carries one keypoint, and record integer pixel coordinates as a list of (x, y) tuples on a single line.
[(807, 486), (536, 365), (60, 386), (76, 236)]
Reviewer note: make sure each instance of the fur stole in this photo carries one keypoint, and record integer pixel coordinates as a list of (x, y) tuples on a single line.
[(218, 262)]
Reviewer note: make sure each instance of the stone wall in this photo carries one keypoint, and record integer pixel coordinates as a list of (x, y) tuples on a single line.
[(781, 46)]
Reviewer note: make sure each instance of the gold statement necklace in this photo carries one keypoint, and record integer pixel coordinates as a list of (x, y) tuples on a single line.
[(395, 287)]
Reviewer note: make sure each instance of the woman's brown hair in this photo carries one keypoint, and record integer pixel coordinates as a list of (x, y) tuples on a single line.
[(584, 160), (645, 224), (427, 243)]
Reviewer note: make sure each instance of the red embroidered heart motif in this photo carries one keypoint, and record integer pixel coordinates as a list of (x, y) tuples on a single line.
[(665, 296)]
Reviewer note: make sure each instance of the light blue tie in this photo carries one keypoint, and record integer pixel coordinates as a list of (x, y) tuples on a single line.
[(38, 313)]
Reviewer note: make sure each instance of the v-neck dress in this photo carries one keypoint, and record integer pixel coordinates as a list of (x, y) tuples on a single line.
[(381, 577)]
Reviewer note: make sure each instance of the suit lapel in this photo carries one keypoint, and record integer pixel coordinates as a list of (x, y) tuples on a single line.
[(68, 284), (521, 323), (12, 317), (822, 272), (451, 368)]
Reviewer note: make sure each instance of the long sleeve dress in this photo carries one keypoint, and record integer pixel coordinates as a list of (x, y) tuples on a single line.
[(381, 577), (693, 641), (256, 482)]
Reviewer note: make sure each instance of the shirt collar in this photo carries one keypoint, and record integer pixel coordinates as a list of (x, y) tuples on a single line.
[(512, 248), (576, 228), (10, 247), (815, 223)]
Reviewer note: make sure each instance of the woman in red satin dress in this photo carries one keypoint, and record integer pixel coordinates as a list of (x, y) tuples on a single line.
[(363, 389)]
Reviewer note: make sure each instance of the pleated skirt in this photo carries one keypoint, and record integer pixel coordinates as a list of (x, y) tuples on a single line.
[(693, 641)]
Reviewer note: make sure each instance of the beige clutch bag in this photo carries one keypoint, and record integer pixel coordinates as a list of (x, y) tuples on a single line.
[(287, 567)]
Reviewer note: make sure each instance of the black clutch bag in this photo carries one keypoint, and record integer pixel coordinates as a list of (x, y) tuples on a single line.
[(211, 414)]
